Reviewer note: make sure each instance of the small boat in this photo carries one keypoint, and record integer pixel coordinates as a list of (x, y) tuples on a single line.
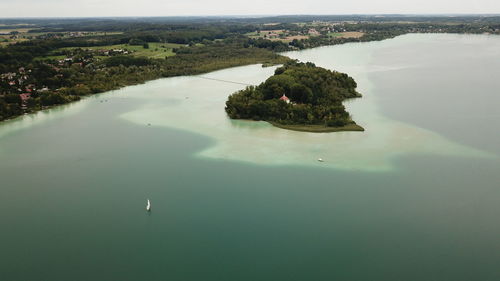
[(321, 160), (148, 206)]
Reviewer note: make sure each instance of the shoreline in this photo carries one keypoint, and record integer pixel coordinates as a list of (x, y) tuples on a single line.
[(352, 127), (265, 63), (46, 107), (268, 62)]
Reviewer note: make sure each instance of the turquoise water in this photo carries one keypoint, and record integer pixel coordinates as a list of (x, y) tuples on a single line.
[(415, 197)]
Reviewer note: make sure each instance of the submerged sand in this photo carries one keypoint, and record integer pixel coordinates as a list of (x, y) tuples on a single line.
[(197, 105)]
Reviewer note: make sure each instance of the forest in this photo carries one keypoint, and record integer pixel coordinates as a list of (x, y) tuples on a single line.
[(297, 94), (48, 82)]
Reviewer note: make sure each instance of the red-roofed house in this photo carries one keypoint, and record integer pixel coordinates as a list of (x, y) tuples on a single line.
[(25, 96), (285, 98)]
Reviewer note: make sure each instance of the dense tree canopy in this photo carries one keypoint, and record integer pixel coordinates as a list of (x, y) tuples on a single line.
[(315, 96)]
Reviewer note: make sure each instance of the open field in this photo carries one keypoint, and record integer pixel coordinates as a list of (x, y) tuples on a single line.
[(6, 40), (347, 34), (9, 30), (156, 50), (290, 38), (5, 37), (271, 35), (15, 24), (281, 35), (60, 57), (25, 35)]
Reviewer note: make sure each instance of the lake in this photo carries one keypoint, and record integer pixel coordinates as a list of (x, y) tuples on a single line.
[(414, 197)]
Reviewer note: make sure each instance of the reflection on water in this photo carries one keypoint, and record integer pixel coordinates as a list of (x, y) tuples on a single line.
[(39, 117)]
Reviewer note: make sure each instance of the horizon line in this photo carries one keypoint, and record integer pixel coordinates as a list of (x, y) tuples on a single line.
[(259, 15)]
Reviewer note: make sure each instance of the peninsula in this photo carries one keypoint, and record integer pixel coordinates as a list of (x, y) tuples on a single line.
[(299, 96)]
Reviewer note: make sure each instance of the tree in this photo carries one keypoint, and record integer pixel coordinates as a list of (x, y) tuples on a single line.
[(13, 98), (135, 42), (316, 94), (301, 93)]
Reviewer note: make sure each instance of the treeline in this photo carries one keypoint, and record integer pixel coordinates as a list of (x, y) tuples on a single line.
[(120, 24), (156, 32), (186, 34), (22, 53), (381, 31), (438, 27), (290, 19), (70, 83), (200, 59), (315, 96)]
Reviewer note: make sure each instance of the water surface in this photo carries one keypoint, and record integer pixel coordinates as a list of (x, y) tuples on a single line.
[(415, 197)]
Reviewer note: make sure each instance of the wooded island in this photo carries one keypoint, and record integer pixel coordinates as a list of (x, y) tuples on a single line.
[(299, 96)]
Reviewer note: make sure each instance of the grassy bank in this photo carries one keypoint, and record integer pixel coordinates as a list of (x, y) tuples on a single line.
[(353, 127)]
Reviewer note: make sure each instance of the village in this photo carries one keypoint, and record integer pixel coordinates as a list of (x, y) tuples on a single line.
[(301, 31), (25, 85), (22, 85), (20, 82)]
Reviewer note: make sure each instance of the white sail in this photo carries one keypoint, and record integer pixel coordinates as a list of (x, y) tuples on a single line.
[(148, 206)]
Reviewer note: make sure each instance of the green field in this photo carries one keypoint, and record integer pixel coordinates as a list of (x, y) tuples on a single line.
[(156, 50), (334, 34), (24, 35), (254, 33), (264, 32), (50, 58)]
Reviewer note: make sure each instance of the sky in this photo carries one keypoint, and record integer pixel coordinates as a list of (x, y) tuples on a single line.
[(113, 8)]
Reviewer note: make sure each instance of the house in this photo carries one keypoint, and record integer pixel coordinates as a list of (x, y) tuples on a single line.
[(24, 97), (9, 75), (313, 32), (285, 98)]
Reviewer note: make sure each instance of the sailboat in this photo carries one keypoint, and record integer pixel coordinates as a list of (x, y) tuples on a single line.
[(148, 206)]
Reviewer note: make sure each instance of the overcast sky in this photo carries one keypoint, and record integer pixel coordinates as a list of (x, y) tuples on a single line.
[(94, 8)]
